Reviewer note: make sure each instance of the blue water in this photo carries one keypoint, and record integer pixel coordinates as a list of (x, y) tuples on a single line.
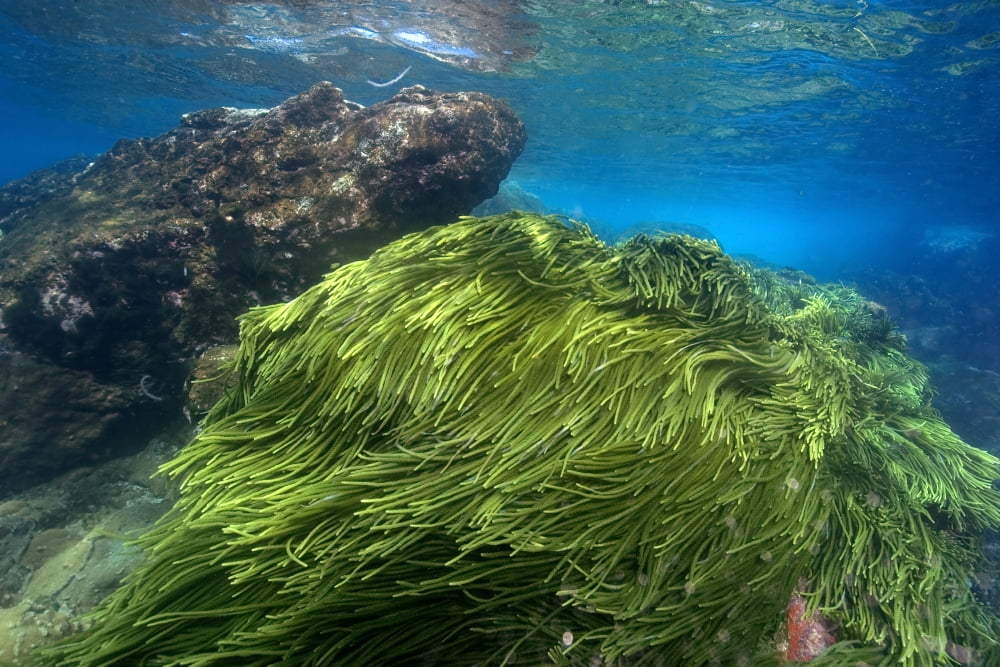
[(826, 135)]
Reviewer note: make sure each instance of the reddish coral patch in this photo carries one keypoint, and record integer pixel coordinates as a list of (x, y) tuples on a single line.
[(808, 634)]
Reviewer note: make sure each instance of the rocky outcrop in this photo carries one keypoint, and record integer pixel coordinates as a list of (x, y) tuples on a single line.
[(945, 302), (113, 278), (64, 545)]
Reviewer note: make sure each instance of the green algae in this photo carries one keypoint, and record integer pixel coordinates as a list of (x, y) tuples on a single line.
[(505, 442)]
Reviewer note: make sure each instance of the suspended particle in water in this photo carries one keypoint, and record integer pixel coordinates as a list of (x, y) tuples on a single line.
[(766, 556), (792, 483), (873, 499), (567, 638), (689, 588)]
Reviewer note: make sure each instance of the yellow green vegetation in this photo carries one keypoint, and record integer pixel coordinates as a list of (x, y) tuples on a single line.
[(505, 441)]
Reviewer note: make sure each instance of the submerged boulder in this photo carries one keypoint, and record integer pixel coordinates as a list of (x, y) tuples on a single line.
[(111, 279)]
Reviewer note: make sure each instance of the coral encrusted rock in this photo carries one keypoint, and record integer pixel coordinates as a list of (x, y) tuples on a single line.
[(109, 284)]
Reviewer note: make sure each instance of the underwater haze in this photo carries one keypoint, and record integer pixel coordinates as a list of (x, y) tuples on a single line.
[(833, 136)]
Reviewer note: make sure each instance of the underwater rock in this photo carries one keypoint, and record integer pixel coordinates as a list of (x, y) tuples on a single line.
[(502, 441), (511, 197), (115, 282), (64, 544), (41, 184), (945, 300)]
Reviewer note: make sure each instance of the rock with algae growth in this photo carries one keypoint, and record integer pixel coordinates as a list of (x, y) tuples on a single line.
[(503, 441)]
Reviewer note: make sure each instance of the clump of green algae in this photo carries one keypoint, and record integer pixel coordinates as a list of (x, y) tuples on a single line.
[(504, 441)]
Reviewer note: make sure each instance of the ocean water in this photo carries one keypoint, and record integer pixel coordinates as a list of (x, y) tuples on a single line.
[(857, 140), (804, 132), (840, 137)]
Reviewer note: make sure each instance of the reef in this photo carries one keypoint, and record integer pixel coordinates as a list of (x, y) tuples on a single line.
[(503, 441), (113, 277), (945, 303)]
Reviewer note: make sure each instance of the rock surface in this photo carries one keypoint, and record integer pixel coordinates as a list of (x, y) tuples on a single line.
[(945, 302), (114, 277), (64, 544)]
